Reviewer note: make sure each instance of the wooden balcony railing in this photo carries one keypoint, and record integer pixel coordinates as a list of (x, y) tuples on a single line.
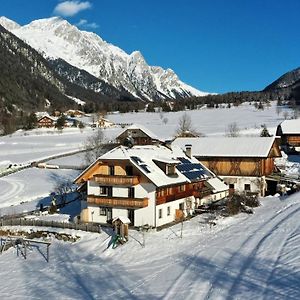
[(117, 179), (173, 197), (197, 193), (118, 201), (202, 193)]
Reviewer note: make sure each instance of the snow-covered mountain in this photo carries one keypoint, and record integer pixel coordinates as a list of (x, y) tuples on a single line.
[(57, 39)]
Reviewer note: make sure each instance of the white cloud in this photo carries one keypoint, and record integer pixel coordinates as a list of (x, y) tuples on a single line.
[(84, 23), (71, 8)]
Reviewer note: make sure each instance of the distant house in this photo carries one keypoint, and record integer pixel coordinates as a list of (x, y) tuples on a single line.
[(244, 163), (137, 135), (289, 132), (46, 122), (149, 184), (74, 113), (57, 113), (105, 123)]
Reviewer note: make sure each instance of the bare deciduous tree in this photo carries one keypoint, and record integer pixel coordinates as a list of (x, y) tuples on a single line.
[(62, 189), (93, 146), (185, 127), (285, 115), (165, 120), (232, 130)]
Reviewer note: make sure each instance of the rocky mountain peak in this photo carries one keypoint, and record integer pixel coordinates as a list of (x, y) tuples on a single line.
[(105, 61), (8, 24)]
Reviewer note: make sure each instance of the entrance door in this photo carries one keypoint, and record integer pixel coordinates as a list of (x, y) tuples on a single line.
[(109, 214), (131, 216)]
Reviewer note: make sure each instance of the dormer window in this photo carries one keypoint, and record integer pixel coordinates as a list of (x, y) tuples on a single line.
[(168, 166), (170, 169)]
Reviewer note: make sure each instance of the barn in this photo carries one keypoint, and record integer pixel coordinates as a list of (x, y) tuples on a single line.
[(289, 132), (244, 163)]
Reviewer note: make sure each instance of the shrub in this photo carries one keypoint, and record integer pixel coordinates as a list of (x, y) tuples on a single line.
[(241, 203)]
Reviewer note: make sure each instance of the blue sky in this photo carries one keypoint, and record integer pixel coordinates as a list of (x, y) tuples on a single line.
[(213, 45)]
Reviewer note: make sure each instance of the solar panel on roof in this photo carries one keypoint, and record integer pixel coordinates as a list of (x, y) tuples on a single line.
[(140, 163), (136, 159), (184, 160), (145, 168), (192, 171)]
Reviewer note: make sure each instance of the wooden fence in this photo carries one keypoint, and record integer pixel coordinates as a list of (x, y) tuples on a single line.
[(42, 223)]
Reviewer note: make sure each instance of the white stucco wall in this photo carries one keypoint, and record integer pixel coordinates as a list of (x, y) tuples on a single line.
[(214, 197), (173, 206), (120, 191), (146, 215), (257, 184), (94, 214), (93, 188)]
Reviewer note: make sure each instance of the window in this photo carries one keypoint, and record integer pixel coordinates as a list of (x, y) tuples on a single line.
[(231, 185), (160, 213), (170, 170), (168, 210), (247, 187), (103, 190), (111, 170), (102, 211), (181, 206), (181, 188)]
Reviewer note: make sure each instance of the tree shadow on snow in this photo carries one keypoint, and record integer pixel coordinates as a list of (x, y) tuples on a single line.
[(78, 275), (241, 277)]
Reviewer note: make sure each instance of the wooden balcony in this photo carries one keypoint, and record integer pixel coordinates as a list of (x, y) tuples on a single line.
[(202, 193), (118, 201), (173, 197), (116, 179)]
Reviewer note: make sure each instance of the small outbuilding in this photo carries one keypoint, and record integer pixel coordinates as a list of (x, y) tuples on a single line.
[(121, 227), (289, 132)]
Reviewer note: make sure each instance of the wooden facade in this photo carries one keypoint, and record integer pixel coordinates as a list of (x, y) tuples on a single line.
[(101, 171), (46, 122), (288, 139), (242, 166), (137, 136), (119, 202), (239, 166), (175, 192), (117, 179)]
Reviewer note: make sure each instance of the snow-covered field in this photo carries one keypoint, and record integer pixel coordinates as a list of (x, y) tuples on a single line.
[(243, 257)]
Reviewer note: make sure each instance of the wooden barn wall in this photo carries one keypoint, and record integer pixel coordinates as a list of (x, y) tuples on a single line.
[(239, 167), (293, 140)]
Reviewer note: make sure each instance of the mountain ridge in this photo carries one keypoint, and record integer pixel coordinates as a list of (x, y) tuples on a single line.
[(89, 52)]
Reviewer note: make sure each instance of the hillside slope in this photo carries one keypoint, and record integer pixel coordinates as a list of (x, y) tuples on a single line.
[(26, 81)]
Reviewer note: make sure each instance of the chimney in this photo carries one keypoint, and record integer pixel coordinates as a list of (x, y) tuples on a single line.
[(188, 150)]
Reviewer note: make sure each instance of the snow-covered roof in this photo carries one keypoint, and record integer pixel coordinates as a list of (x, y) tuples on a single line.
[(123, 219), (290, 126), (227, 146), (144, 157), (217, 184), (40, 114), (47, 116), (141, 127)]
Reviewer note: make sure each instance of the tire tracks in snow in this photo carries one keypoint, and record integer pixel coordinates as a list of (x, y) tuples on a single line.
[(250, 248)]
